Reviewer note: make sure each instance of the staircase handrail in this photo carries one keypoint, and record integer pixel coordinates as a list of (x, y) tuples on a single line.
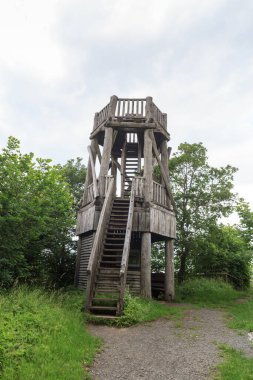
[(98, 241), (126, 248)]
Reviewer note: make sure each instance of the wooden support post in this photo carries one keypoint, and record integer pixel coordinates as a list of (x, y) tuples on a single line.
[(112, 107), (146, 265), (148, 168), (114, 172), (78, 257), (96, 146), (105, 162), (165, 120), (93, 170), (139, 154), (89, 177), (149, 109), (123, 169), (169, 270), (165, 163), (163, 172)]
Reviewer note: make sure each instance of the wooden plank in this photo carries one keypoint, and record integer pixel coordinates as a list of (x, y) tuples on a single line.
[(130, 125), (85, 219), (162, 221)]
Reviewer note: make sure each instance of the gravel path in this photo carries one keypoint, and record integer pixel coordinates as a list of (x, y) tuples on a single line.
[(161, 350)]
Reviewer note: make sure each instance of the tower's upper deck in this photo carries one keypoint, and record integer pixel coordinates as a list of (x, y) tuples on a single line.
[(131, 113)]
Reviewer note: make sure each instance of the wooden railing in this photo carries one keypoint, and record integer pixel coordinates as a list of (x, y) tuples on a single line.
[(159, 194), (126, 249), (90, 193), (159, 117), (106, 180), (102, 115), (131, 108), (98, 243)]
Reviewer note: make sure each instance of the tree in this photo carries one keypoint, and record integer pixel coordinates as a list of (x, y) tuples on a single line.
[(74, 173), (36, 215), (222, 250), (246, 221), (203, 195)]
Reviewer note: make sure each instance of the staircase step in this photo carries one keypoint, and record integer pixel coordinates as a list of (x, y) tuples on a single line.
[(111, 308), (108, 291)]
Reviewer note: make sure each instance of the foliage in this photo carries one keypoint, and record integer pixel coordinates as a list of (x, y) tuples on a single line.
[(35, 218), (203, 194), (158, 257), (204, 292), (246, 222), (42, 336), (235, 367), (74, 173), (222, 250)]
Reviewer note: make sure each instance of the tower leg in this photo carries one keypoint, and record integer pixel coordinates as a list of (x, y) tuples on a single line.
[(146, 265), (169, 270)]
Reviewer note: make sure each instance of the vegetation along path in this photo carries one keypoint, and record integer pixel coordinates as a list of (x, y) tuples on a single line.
[(165, 349)]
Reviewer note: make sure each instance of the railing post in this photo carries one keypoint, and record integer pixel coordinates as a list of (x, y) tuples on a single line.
[(112, 107), (149, 109), (165, 121)]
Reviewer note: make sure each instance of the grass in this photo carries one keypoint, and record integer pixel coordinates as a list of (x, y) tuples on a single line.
[(207, 292), (242, 315), (139, 310), (42, 336), (235, 365)]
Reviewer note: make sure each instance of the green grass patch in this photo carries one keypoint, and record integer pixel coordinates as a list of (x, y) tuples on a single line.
[(235, 366), (242, 315), (207, 292), (42, 336), (138, 310)]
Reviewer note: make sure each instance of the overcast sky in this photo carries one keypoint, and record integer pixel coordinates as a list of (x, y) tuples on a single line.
[(61, 60)]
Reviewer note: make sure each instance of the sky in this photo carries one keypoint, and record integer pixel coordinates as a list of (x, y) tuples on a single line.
[(61, 60)]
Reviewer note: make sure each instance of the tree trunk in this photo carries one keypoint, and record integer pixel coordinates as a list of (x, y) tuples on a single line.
[(182, 268)]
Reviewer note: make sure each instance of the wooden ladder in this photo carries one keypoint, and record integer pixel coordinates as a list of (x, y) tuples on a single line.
[(106, 294), (131, 166)]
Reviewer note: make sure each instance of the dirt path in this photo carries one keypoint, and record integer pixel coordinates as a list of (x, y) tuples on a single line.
[(161, 350)]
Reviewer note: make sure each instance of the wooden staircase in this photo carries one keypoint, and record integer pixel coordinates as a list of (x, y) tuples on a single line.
[(106, 295), (131, 166)]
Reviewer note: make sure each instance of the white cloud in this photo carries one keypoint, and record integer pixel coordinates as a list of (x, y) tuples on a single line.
[(28, 39)]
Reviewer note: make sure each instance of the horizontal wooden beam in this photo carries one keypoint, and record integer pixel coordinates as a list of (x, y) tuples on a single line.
[(129, 124)]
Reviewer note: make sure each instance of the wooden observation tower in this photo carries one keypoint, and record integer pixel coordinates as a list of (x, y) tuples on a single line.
[(124, 210)]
